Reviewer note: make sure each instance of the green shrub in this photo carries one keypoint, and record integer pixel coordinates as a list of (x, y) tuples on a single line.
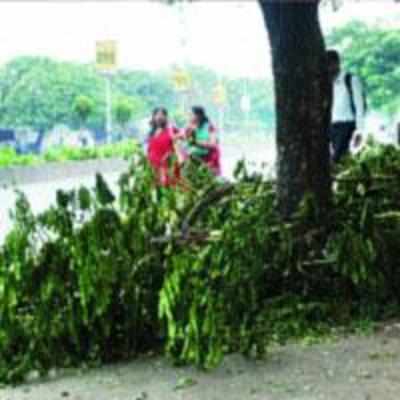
[(259, 281), (79, 282), (213, 291), (9, 157), (124, 149), (205, 270)]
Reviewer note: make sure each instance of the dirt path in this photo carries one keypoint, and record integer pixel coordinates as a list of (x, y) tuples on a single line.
[(356, 368)]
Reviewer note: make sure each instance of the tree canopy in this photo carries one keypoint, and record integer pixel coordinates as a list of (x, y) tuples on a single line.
[(372, 52), (41, 92), (83, 107)]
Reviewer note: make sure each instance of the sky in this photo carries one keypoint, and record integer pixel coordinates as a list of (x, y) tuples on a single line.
[(228, 36)]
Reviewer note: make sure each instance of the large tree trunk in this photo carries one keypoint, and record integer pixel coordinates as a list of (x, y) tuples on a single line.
[(303, 102)]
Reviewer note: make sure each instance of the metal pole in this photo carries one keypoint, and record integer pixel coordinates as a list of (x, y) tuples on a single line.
[(248, 124), (221, 119), (108, 108), (183, 33), (398, 133), (247, 116)]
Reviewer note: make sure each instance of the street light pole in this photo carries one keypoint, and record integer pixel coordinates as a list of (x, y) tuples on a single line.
[(108, 116), (221, 119), (183, 33), (106, 63)]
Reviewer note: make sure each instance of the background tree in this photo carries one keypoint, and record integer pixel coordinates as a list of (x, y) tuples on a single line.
[(127, 108), (83, 108), (372, 52), (40, 92), (152, 87), (261, 116)]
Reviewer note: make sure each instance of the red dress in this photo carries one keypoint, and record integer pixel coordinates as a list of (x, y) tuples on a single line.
[(161, 156), (213, 158)]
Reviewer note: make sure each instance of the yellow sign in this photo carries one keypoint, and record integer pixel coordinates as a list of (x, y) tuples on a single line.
[(182, 80), (106, 55), (219, 95)]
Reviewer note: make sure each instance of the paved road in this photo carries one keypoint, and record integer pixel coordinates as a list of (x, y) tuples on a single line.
[(356, 368), (42, 194)]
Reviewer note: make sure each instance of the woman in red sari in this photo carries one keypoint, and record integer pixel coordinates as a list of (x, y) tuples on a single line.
[(161, 150)]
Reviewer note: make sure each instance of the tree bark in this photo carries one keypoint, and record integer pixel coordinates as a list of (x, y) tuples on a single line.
[(303, 102)]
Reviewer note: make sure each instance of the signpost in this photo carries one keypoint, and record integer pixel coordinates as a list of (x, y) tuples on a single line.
[(182, 82), (106, 63), (245, 105)]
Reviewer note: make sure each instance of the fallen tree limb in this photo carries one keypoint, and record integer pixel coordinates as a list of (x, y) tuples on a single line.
[(179, 238), (203, 204), (215, 194)]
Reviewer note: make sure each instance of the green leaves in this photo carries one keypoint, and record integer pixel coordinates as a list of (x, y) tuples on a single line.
[(126, 149), (372, 53), (103, 193), (83, 107), (86, 281), (125, 108), (84, 199), (40, 93), (212, 292), (79, 282)]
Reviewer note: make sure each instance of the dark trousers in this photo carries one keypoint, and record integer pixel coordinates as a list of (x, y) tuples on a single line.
[(340, 136)]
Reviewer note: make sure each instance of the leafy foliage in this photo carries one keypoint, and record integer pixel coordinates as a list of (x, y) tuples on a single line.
[(124, 109), (41, 93), (83, 107), (9, 157), (372, 53), (204, 269), (123, 149), (259, 281), (75, 281)]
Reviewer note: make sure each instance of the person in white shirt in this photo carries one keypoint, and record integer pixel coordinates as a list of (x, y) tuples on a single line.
[(348, 110)]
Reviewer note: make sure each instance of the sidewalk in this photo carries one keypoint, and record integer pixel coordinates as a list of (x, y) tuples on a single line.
[(357, 368)]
